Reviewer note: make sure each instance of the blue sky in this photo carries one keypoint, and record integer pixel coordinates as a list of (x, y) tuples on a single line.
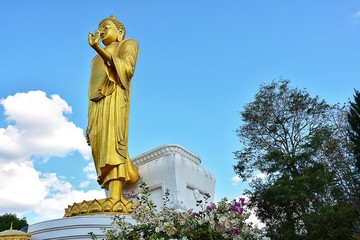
[(200, 62)]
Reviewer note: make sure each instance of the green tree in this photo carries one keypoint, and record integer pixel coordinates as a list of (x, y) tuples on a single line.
[(8, 218), (354, 126), (290, 138), (353, 117)]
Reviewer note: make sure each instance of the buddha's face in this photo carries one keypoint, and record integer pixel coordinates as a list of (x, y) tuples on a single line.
[(109, 32)]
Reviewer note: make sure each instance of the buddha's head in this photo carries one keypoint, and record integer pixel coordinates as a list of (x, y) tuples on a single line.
[(111, 30)]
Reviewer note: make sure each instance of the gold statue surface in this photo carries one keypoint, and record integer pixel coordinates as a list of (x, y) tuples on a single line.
[(109, 106)]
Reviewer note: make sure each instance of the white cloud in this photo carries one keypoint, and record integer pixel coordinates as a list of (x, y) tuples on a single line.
[(235, 180), (356, 17), (38, 128), (20, 186), (53, 207), (55, 184), (84, 184), (23, 189), (90, 171), (90, 167)]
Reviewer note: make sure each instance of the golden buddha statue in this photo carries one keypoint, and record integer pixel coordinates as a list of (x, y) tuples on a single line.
[(108, 117), (109, 106)]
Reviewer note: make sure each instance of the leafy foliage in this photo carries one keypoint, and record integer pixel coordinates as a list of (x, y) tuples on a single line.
[(298, 143), (354, 126), (8, 218), (277, 130)]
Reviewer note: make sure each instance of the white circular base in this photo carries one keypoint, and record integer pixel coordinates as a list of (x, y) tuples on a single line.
[(74, 228)]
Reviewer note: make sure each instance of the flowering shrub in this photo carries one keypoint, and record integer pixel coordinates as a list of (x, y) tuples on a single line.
[(224, 220)]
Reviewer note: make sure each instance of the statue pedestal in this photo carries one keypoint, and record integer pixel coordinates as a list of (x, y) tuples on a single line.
[(166, 167), (177, 169)]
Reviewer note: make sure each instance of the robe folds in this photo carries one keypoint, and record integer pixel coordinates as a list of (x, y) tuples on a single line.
[(108, 114)]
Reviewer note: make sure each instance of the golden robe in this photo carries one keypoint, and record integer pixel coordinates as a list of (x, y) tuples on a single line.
[(108, 113)]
